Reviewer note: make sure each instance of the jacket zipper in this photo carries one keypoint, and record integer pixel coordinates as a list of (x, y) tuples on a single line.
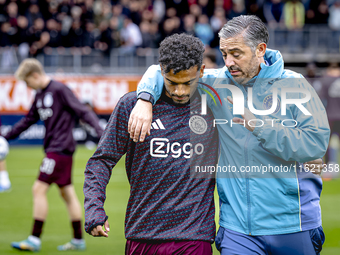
[(246, 164), (247, 182)]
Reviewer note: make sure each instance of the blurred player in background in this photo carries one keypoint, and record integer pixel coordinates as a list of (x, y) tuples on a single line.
[(5, 183), (57, 106), (331, 94), (168, 212), (314, 79), (209, 60), (91, 140)]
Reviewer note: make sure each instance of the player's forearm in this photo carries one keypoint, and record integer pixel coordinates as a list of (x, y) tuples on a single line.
[(97, 176), (94, 215), (98, 173), (20, 127), (92, 119)]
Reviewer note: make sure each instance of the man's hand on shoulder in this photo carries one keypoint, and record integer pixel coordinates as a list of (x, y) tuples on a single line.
[(99, 231), (140, 120)]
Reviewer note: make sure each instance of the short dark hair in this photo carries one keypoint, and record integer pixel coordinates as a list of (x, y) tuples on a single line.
[(180, 52), (252, 28)]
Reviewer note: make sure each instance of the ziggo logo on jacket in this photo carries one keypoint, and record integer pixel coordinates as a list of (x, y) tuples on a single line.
[(162, 148)]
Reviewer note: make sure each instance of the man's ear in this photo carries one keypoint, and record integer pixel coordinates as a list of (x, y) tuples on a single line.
[(202, 70), (261, 50)]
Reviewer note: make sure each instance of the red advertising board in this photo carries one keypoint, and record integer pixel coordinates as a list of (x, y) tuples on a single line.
[(102, 91)]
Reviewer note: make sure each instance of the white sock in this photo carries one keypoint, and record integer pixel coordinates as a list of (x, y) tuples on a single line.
[(35, 240), (4, 179), (78, 241)]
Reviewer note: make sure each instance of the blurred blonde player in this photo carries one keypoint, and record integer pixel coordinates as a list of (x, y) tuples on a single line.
[(57, 106)]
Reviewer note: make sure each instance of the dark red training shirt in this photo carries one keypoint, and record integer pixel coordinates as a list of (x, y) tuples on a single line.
[(57, 106)]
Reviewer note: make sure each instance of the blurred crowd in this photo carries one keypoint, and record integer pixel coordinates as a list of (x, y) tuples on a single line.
[(135, 26), (327, 85)]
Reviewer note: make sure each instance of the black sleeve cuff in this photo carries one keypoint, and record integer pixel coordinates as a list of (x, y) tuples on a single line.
[(97, 224), (146, 97)]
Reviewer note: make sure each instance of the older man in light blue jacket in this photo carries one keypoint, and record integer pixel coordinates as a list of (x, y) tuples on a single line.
[(269, 201)]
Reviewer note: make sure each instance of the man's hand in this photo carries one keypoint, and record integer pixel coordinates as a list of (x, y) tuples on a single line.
[(246, 117), (314, 166), (140, 120), (99, 231)]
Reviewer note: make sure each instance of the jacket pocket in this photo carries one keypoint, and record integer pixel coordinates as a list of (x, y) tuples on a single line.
[(219, 238), (318, 238)]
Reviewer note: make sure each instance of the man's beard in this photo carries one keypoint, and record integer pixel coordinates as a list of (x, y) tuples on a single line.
[(248, 74)]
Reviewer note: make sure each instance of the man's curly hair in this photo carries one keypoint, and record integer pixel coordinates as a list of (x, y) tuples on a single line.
[(180, 52)]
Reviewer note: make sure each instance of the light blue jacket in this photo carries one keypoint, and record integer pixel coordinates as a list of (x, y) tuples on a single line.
[(286, 199)]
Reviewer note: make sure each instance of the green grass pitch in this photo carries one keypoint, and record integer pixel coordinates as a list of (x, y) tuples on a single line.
[(16, 207)]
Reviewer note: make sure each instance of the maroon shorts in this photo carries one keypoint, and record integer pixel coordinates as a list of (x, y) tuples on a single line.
[(56, 168), (134, 247)]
